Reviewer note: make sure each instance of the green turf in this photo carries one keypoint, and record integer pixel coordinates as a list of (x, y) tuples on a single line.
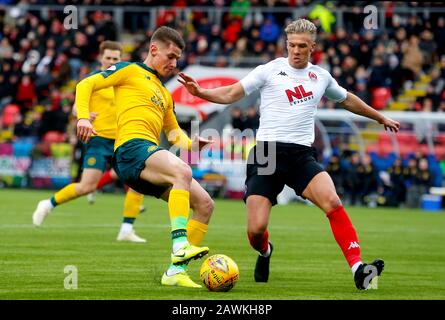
[(307, 264)]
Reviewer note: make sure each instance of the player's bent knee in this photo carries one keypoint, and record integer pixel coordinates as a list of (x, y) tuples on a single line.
[(332, 202), (183, 173), (256, 230)]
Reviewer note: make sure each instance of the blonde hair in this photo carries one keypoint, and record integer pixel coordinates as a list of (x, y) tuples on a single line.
[(302, 26)]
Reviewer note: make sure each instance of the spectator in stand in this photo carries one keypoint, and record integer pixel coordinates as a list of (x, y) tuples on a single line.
[(412, 58), (3, 90), (379, 75), (352, 184), (252, 120), (27, 127), (429, 49), (395, 71), (77, 54), (409, 174), (439, 35), (435, 88), (270, 31), (397, 194), (324, 14), (238, 121), (232, 30), (106, 28), (361, 90), (55, 118), (6, 50), (414, 26), (204, 27), (239, 52), (11, 86), (239, 9), (368, 177), (26, 95), (336, 172), (52, 56), (421, 183)]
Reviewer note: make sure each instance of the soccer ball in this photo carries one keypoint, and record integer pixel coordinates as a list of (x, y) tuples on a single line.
[(219, 273)]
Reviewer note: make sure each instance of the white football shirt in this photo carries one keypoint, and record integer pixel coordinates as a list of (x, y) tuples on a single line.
[(289, 99)]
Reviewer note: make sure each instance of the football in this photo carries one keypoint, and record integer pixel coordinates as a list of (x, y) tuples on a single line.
[(219, 273)]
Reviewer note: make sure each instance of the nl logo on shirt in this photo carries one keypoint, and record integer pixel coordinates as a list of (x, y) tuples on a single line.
[(298, 95)]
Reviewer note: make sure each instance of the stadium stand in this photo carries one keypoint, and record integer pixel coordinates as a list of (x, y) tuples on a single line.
[(400, 66)]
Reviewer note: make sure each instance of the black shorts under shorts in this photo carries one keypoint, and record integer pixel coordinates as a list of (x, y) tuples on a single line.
[(295, 166)]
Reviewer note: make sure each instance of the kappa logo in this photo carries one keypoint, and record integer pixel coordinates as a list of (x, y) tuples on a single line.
[(282, 73), (353, 245)]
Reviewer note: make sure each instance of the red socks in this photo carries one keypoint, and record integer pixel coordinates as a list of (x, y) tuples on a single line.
[(104, 180), (344, 234), (342, 228), (259, 242)]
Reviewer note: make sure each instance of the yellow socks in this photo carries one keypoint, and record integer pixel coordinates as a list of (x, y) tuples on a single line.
[(196, 231), (178, 209), (64, 195), (132, 204)]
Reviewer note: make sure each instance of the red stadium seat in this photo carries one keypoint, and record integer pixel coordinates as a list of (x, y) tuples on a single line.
[(439, 152), (9, 114), (54, 137), (380, 97), (381, 149)]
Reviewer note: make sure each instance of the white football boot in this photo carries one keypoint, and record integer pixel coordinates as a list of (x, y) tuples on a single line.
[(91, 197), (130, 236), (44, 207)]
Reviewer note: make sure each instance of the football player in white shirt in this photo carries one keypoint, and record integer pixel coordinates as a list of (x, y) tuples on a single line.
[(291, 89)]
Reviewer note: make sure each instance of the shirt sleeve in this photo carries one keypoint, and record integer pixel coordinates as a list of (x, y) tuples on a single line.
[(254, 80), (334, 91), (113, 76), (173, 131)]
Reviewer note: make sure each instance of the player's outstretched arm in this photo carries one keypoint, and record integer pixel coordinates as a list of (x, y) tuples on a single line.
[(358, 106), (222, 95)]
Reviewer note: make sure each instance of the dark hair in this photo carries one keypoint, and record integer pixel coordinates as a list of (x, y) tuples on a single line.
[(167, 35), (110, 45)]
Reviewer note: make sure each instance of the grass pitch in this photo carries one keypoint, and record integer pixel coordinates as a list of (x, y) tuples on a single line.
[(307, 263)]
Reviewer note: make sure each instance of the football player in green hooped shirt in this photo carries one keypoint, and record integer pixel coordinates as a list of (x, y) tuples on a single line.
[(145, 108), (98, 152)]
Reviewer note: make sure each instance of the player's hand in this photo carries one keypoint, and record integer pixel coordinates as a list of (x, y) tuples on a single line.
[(198, 143), (189, 83), (93, 115), (84, 130), (390, 124)]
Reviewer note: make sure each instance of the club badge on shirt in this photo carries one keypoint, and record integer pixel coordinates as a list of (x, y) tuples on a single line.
[(312, 76)]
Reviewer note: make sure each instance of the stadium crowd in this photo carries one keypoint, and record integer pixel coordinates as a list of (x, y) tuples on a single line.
[(360, 181), (40, 60)]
